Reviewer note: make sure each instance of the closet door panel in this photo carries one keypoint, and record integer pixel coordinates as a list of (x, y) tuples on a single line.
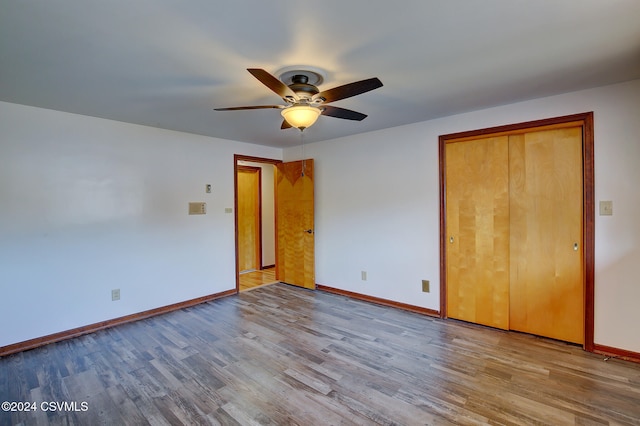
[(545, 186), (477, 197)]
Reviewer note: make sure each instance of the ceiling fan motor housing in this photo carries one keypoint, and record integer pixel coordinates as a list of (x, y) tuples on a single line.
[(302, 88)]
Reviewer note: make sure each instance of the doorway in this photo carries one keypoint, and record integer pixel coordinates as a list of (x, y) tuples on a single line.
[(293, 219), (254, 222), (249, 218), (492, 265)]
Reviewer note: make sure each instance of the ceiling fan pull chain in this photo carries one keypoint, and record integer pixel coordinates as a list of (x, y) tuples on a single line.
[(302, 150)]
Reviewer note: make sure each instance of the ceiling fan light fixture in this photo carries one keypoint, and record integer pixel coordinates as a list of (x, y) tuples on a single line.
[(305, 102), (301, 116)]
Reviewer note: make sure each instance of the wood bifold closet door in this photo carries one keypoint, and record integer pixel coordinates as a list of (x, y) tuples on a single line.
[(514, 228)]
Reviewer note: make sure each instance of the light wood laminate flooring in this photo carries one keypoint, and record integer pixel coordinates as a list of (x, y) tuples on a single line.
[(280, 355), (255, 279)]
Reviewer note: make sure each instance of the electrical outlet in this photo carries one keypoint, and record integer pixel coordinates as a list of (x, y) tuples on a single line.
[(425, 286), (115, 294), (363, 275)]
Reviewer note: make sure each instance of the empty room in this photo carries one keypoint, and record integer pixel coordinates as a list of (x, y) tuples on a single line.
[(366, 212)]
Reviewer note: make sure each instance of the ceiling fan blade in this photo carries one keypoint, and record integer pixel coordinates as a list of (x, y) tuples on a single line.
[(349, 90), (273, 83), (347, 114), (285, 125), (249, 107)]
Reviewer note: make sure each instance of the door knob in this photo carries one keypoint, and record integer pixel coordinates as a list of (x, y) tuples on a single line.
[(309, 231), (451, 240), (575, 246)]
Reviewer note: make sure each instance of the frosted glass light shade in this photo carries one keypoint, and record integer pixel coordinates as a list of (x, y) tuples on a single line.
[(301, 116)]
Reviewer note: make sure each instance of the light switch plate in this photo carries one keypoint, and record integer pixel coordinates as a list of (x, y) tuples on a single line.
[(606, 208)]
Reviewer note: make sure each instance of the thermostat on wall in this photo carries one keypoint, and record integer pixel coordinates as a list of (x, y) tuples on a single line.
[(198, 208)]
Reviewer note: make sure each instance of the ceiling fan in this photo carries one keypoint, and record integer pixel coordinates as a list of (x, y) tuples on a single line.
[(304, 101)]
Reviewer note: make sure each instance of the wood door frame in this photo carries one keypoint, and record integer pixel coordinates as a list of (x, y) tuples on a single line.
[(258, 170), (586, 121), (236, 166)]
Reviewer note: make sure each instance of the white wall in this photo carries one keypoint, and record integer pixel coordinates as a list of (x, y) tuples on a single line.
[(377, 205), (90, 205)]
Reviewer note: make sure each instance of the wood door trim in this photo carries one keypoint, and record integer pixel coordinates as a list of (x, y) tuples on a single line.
[(545, 124), (236, 158), (249, 168), (510, 131), (586, 121), (239, 157)]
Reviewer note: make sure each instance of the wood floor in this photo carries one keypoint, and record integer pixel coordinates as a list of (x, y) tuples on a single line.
[(280, 355), (254, 279)]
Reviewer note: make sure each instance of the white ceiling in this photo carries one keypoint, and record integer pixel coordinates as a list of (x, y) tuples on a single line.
[(168, 63)]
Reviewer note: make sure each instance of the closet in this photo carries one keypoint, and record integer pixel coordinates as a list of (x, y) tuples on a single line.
[(514, 230)]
